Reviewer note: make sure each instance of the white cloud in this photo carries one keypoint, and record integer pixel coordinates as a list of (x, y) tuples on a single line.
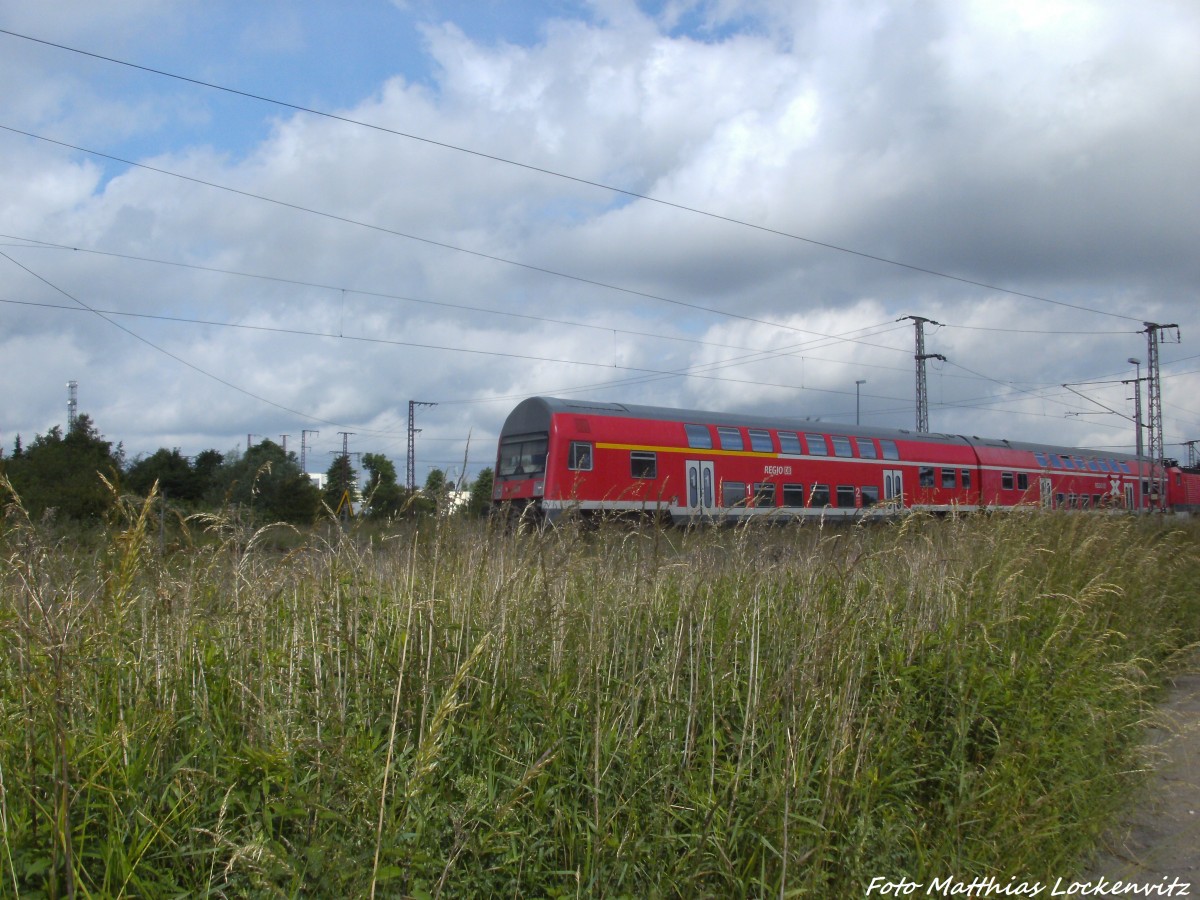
[(1045, 148)]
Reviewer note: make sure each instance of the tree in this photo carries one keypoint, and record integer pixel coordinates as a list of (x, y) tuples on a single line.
[(269, 482), (341, 484), (481, 494), (207, 467), (385, 498), (63, 473), (176, 477)]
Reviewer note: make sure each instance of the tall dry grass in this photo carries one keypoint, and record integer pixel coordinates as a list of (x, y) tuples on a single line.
[(460, 711)]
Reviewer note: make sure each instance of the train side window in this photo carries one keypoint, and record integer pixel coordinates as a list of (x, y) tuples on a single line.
[(789, 442), (870, 495), (948, 479), (643, 464), (866, 448), (1022, 481), (1085, 501), (793, 495), (1055, 462), (925, 476), (1094, 465), (733, 493), (1067, 462), (1059, 500), (841, 445), (965, 478), (1102, 464), (816, 444), (764, 494), (760, 441), (1006, 481), (698, 437), (1040, 459), (890, 450), (820, 495), (579, 458), (730, 438), (845, 496)]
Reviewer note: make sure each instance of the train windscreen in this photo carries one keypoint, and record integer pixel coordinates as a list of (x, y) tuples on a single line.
[(522, 456)]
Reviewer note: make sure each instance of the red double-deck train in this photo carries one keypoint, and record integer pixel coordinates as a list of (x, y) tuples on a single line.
[(561, 455)]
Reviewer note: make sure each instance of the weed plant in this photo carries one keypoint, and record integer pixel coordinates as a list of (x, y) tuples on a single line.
[(458, 710)]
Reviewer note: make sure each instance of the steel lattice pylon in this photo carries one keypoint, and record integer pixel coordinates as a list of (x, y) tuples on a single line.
[(920, 357), (410, 480), (1154, 425)]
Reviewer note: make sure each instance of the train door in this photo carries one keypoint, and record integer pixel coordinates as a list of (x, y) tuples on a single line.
[(701, 485), (893, 486), (1046, 489)]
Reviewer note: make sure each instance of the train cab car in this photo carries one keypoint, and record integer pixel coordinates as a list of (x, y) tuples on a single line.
[(561, 455), (1054, 477), (1183, 489)]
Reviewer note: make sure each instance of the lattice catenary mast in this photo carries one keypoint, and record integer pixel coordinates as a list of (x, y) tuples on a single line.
[(1154, 413), (920, 357), (410, 480)]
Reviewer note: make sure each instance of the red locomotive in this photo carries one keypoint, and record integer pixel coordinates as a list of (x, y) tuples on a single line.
[(561, 455)]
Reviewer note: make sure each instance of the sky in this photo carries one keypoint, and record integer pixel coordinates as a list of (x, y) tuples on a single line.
[(229, 221)]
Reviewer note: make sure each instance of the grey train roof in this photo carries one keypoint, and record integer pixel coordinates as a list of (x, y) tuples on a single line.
[(534, 414)]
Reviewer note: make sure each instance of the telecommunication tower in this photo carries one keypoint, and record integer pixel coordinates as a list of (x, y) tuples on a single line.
[(72, 403)]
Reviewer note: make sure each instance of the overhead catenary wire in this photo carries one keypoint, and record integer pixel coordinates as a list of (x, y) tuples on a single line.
[(651, 199), (556, 174), (346, 220)]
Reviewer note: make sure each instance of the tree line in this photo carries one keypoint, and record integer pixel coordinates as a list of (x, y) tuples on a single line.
[(65, 475)]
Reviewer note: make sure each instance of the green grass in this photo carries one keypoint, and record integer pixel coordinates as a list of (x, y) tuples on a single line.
[(457, 711)]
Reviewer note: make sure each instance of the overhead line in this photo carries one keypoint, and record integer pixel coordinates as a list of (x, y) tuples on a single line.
[(573, 178), (359, 339), (104, 314), (412, 237), (32, 243)]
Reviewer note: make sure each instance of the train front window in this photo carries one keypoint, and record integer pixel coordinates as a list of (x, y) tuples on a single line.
[(524, 455)]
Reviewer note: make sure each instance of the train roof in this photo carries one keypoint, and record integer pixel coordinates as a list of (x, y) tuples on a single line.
[(534, 414)]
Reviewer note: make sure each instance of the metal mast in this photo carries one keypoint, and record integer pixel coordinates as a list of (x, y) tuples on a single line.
[(1155, 424), (920, 357), (1137, 405), (304, 433), (411, 473)]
